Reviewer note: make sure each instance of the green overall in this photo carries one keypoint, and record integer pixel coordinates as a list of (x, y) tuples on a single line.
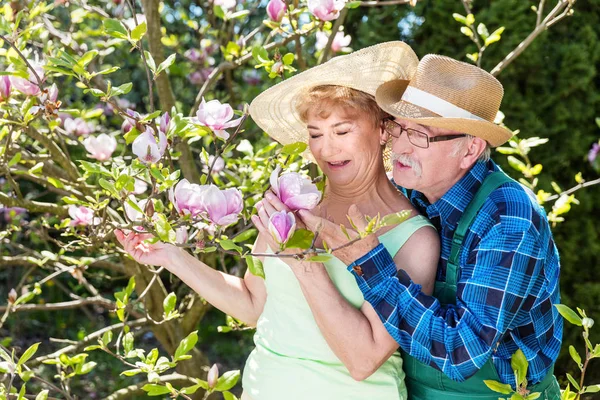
[(427, 383)]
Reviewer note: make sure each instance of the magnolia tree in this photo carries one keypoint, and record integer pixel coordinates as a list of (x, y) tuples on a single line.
[(133, 116)]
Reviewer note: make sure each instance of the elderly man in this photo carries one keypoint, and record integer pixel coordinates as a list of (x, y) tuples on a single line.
[(497, 278)]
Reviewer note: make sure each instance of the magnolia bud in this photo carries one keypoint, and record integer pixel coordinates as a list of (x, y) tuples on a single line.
[(12, 296), (587, 323), (213, 376)]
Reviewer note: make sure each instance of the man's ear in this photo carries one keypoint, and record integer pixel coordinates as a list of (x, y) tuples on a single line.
[(475, 147), (383, 135)]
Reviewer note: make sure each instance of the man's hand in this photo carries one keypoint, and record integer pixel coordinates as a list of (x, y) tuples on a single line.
[(335, 237)]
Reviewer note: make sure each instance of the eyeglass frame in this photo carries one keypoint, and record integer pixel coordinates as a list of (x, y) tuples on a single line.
[(441, 138)]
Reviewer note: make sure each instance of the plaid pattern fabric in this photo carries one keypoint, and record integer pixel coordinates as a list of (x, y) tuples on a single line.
[(505, 294)]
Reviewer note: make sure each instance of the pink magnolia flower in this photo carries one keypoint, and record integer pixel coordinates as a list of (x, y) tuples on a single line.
[(282, 226), (294, 190), (218, 166), (200, 76), (325, 10), (147, 148), (186, 197), (82, 216), (165, 121), (77, 126), (194, 55), (50, 95), (5, 87), (133, 214), (100, 147), (222, 206), (251, 77), (217, 117), (339, 41), (213, 376), (181, 235), (276, 10), (593, 153), (29, 87)]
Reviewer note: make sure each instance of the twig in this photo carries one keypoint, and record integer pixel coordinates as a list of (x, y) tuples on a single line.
[(540, 12), (140, 47), (383, 3), (37, 77), (128, 392), (334, 30), (220, 150), (67, 305), (574, 189)]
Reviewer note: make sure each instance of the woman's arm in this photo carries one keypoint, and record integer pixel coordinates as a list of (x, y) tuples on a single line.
[(243, 299), (358, 337)]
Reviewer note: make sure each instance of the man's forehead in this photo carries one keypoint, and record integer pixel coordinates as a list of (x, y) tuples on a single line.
[(433, 130)]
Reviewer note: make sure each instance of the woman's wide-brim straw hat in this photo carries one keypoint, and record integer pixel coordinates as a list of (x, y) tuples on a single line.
[(274, 110), (450, 94)]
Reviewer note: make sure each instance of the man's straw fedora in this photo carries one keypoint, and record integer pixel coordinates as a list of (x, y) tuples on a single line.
[(274, 110), (450, 94)]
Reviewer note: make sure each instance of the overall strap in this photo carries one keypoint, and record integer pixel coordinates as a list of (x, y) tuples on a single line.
[(490, 183)]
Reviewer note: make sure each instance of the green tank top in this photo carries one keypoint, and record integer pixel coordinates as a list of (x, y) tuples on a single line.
[(292, 360)]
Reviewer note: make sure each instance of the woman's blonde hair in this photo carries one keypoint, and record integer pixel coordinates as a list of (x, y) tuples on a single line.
[(321, 99)]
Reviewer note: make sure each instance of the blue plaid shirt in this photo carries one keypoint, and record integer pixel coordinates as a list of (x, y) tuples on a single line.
[(505, 293)]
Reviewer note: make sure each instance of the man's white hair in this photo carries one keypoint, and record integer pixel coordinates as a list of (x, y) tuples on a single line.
[(460, 146)]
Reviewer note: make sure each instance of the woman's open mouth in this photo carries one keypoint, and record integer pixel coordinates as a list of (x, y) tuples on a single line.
[(337, 164)]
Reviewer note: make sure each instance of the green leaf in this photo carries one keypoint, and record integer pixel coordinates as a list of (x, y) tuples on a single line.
[(516, 163), (131, 372), (498, 387), (470, 19), (43, 395), (260, 55), (87, 58), (28, 353), (163, 228), (15, 159), (353, 4), (106, 71), (138, 32), (321, 258), (573, 382), (519, 364), (294, 148), (395, 218), (483, 31), (36, 169), (591, 389), (150, 61), (466, 31), (121, 90), (239, 14), (301, 239), (227, 380), (288, 59), (169, 303), (219, 12), (26, 375), (575, 356), (115, 29), (109, 186), (83, 369), (568, 314), (533, 396), (192, 389), (128, 342), (242, 237), (131, 135), (494, 36), (255, 266), (186, 345), (92, 348), (155, 390), (165, 64), (230, 245), (229, 395)]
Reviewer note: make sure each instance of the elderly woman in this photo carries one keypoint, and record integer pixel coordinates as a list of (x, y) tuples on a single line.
[(307, 346)]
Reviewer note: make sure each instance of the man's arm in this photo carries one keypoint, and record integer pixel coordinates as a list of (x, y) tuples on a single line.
[(456, 338)]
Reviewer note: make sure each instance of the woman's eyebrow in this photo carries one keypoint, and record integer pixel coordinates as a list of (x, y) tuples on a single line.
[(332, 126)]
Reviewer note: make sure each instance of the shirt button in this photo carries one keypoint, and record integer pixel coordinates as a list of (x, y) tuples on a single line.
[(358, 270)]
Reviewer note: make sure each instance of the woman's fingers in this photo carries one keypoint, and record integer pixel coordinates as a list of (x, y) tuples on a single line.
[(268, 207), (274, 201)]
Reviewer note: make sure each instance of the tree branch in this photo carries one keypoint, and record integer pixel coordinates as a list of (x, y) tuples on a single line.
[(563, 6), (334, 30), (34, 206), (130, 391), (67, 305)]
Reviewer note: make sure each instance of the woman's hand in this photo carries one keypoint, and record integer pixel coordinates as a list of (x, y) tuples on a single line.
[(158, 254)]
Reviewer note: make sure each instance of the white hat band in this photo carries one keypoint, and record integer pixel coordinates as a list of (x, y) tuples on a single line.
[(435, 104)]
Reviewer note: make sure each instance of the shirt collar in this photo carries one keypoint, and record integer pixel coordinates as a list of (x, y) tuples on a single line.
[(450, 207)]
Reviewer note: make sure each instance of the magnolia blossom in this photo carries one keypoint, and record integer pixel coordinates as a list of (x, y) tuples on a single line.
[(222, 206), (165, 121), (339, 41), (29, 87), (77, 126), (82, 216), (100, 147), (225, 4), (326, 10), (217, 117), (181, 235), (139, 186), (186, 197), (147, 148), (200, 76), (217, 166), (194, 55), (593, 153), (50, 95), (294, 190), (5, 87), (134, 215), (282, 225), (213, 376), (276, 10), (252, 77)]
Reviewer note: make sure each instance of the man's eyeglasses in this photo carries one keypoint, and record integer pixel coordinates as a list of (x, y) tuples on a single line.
[(417, 138)]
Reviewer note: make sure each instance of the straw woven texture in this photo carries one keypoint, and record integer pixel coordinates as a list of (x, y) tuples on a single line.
[(274, 110), (456, 82)]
